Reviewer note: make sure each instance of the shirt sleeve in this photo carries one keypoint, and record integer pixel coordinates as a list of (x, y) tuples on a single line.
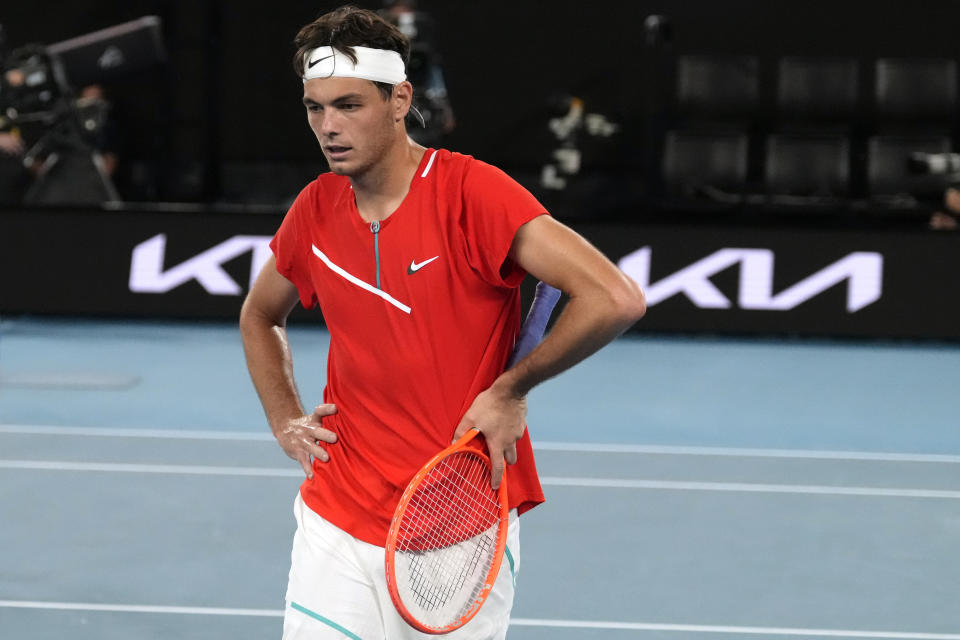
[(291, 244), (494, 207)]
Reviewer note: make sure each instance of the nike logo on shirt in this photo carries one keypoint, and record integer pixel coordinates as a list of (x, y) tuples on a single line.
[(416, 266)]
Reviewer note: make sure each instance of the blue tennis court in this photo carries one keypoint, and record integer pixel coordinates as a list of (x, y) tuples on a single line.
[(696, 488)]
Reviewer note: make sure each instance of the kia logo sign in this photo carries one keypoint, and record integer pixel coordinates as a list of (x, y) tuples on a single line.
[(147, 274), (862, 270)]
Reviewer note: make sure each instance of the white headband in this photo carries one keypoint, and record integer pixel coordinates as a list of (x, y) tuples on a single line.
[(378, 65)]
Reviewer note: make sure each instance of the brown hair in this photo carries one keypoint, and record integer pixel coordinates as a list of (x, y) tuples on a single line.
[(346, 28)]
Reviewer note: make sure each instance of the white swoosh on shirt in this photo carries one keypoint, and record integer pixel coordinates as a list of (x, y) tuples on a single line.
[(340, 271), (416, 266)]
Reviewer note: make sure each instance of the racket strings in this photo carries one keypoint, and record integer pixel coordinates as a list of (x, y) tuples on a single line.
[(435, 583), (448, 536)]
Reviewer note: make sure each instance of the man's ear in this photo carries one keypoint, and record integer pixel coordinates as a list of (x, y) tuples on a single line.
[(402, 99)]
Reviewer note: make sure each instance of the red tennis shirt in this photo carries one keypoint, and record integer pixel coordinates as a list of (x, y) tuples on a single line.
[(423, 310)]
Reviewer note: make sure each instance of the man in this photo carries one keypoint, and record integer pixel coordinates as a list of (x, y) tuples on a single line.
[(414, 256), (424, 70), (13, 175), (947, 217)]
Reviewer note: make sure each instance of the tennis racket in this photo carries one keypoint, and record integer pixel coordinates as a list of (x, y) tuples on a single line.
[(449, 530)]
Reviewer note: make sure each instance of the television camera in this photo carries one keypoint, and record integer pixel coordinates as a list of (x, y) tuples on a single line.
[(45, 97)]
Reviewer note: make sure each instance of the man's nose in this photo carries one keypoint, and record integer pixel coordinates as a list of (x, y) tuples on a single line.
[(328, 123)]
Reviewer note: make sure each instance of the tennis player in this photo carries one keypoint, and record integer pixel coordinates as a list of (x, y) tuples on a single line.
[(414, 257)]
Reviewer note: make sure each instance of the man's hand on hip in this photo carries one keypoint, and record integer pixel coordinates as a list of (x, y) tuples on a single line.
[(300, 438), (501, 418)]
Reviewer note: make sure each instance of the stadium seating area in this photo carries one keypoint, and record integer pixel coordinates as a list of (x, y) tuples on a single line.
[(807, 132)]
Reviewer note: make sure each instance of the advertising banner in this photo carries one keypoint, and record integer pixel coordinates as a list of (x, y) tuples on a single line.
[(724, 280)]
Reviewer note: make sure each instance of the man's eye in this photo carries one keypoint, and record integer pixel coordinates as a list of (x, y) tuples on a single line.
[(349, 106), (315, 108)]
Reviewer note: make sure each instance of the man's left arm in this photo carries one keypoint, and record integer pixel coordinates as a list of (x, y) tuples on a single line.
[(603, 303)]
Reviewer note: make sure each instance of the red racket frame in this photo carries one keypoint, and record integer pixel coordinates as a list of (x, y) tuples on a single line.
[(465, 442)]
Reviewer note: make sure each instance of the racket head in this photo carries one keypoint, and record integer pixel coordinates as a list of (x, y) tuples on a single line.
[(441, 564)]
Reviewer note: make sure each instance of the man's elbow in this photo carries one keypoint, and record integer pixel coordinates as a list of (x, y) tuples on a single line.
[(248, 314), (629, 302), (253, 318), (250, 320)]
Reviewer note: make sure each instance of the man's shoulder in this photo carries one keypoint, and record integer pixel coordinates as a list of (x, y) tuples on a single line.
[(479, 176), (322, 190), (328, 182), (448, 161), (465, 168)]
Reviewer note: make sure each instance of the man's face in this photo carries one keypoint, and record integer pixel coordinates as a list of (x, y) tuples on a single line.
[(353, 123)]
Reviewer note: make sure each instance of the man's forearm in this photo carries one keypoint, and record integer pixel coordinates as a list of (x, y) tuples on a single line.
[(271, 368), (587, 323)]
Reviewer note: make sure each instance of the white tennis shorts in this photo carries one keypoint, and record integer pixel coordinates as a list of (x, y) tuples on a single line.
[(338, 588)]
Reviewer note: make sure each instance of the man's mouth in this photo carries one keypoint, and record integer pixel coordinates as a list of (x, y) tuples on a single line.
[(335, 151)]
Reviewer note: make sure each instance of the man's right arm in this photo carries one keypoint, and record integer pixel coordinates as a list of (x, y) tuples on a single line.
[(263, 329)]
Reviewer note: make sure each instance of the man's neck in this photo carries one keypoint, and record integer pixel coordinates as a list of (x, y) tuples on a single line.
[(380, 190)]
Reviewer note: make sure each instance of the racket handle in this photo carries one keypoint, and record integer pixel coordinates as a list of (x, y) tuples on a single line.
[(535, 325)]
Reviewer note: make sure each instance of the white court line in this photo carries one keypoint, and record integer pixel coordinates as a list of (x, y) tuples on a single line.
[(588, 447), (746, 487), (698, 628), (594, 483), (170, 469), (522, 622), (140, 608), (64, 380), (107, 432)]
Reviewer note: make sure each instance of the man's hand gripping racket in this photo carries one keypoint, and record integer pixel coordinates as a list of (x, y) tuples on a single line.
[(449, 530)]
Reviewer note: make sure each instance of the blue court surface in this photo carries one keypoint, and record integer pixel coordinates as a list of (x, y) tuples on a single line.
[(697, 488)]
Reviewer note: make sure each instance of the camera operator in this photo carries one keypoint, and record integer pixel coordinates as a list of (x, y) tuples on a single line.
[(13, 176), (68, 161), (59, 124), (10, 143), (947, 219), (104, 139), (947, 166), (424, 70)]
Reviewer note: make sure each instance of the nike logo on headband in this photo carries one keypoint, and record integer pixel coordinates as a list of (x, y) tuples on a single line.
[(313, 63)]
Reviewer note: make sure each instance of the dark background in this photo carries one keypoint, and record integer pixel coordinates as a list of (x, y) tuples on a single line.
[(222, 121), (220, 125)]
